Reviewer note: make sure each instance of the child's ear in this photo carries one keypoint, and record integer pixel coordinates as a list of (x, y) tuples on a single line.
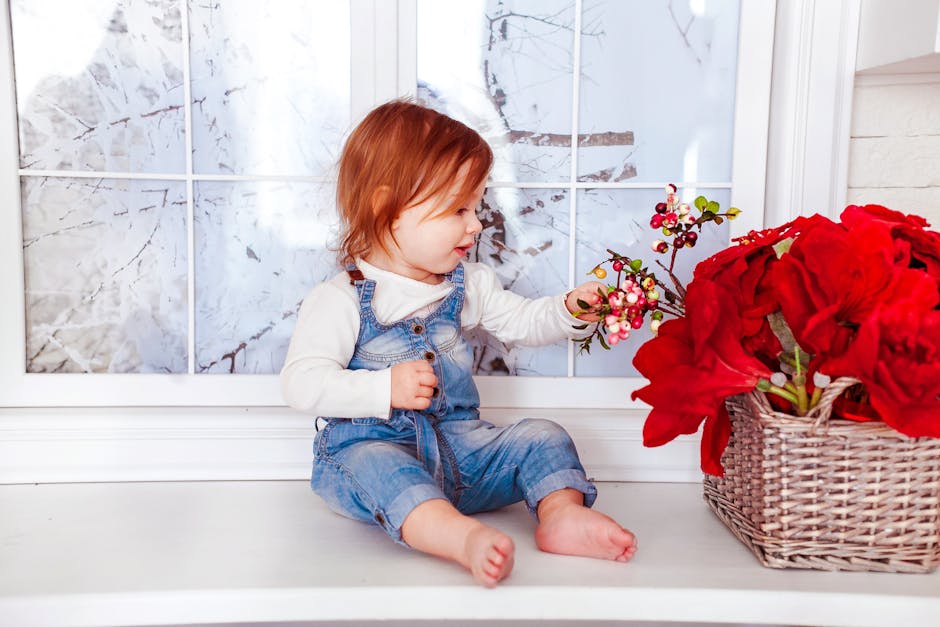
[(380, 197)]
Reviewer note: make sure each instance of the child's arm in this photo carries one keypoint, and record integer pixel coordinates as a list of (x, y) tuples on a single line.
[(315, 378), (514, 319)]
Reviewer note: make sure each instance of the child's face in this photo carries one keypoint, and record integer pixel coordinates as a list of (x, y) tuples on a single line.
[(428, 243)]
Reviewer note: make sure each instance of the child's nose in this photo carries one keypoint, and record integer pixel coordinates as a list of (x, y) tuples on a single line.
[(475, 225)]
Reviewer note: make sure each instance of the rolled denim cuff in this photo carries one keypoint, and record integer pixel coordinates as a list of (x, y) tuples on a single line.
[(394, 516), (569, 478)]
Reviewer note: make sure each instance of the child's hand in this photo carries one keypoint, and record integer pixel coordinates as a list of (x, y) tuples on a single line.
[(588, 293), (413, 385)]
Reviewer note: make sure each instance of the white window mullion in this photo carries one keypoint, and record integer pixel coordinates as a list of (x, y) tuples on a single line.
[(362, 59), (573, 181), (407, 53), (12, 288), (190, 196), (375, 49)]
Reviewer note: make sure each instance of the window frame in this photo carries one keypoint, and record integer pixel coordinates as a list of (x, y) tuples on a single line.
[(383, 67)]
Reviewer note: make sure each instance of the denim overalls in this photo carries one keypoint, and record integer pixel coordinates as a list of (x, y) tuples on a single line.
[(378, 470)]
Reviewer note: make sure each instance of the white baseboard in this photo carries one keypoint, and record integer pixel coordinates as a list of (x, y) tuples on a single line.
[(61, 445)]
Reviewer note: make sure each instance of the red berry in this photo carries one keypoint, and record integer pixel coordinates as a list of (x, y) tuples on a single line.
[(656, 221), (637, 322), (617, 265), (661, 207), (691, 237), (633, 311)]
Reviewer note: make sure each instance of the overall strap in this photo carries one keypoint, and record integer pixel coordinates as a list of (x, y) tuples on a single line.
[(456, 277), (364, 286), (355, 274)]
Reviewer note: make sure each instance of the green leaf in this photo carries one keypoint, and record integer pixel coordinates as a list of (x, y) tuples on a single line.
[(636, 265), (583, 304), (700, 202), (580, 327), (713, 206), (585, 345), (600, 338)]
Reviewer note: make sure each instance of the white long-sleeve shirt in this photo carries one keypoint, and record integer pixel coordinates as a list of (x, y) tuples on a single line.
[(315, 378)]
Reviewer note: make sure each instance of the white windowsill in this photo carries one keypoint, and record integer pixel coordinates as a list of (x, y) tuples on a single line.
[(270, 551)]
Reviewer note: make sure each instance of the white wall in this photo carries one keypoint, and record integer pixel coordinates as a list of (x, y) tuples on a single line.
[(894, 150)]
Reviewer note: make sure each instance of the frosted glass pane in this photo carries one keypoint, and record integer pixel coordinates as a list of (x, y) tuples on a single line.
[(99, 85), (504, 67), (525, 239), (665, 73), (619, 219), (260, 247), (106, 268), (270, 83)]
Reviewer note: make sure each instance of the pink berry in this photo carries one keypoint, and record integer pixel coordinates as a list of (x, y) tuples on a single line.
[(613, 338)]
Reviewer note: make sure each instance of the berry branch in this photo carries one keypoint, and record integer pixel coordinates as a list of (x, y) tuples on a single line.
[(637, 291)]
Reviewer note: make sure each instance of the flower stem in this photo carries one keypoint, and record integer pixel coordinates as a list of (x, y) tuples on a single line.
[(784, 394), (814, 400)]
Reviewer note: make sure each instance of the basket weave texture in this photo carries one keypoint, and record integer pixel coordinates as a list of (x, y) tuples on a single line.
[(828, 494)]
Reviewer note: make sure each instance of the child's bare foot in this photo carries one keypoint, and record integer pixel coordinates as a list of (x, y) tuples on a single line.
[(488, 555), (437, 528), (567, 527)]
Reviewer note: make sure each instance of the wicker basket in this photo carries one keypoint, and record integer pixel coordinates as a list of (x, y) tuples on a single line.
[(828, 494)]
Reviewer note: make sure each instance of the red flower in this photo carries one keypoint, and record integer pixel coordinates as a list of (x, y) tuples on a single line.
[(897, 357), (915, 246), (693, 364), (854, 215), (824, 302)]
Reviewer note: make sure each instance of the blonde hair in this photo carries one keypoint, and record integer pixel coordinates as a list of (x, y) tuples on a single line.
[(400, 155)]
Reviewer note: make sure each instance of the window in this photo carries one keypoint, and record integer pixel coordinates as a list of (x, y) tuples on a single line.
[(175, 172)]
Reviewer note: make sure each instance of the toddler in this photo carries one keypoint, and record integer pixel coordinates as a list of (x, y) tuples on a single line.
[(378, 352)]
